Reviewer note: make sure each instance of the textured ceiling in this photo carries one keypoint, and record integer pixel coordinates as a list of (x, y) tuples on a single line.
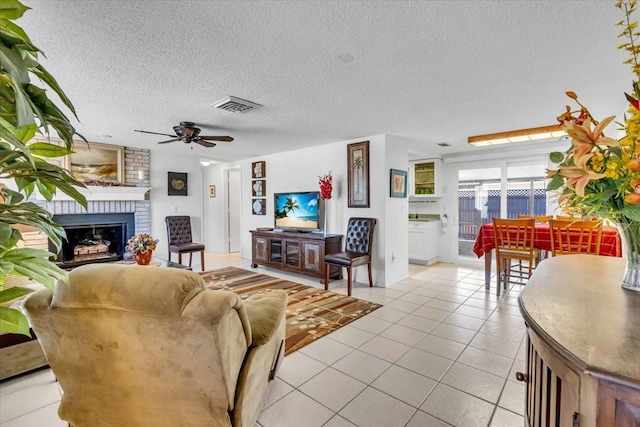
[(430, 71)]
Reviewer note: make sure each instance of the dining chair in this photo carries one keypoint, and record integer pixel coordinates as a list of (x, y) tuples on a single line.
[(180, 238), (576, 218), (575, 237), (539, 219), (357, 250), (514, 242)]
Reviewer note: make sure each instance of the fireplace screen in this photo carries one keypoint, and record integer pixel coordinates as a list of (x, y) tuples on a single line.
[(91, 239)]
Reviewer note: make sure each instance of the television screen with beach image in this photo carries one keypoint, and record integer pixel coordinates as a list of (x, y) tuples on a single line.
[(297, 211)]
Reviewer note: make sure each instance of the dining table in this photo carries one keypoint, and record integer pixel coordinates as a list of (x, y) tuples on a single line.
[(610, 244)]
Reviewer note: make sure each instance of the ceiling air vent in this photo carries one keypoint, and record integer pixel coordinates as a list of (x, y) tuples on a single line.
[(444, 144), (235, 105)]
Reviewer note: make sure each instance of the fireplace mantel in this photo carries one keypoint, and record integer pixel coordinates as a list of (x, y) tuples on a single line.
[(107, 193)]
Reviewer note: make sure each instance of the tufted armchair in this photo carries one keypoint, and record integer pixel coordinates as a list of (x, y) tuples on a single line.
[(357, 250), (135, 346), (180, 240)]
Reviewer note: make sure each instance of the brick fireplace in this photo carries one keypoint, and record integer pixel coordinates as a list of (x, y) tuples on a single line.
[(130, 201)]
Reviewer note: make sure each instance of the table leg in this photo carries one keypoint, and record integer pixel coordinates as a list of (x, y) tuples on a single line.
[(487, 269)]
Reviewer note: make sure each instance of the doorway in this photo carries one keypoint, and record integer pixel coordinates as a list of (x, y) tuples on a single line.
[(504, 190), (232, 178)]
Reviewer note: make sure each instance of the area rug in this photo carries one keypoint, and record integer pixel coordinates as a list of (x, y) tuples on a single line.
[(311, 312)]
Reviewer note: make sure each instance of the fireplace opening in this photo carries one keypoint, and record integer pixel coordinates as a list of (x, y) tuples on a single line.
[(93, 238)]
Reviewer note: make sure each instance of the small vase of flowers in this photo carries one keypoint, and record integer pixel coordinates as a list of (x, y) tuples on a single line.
[(326, 187), (142, 246), (600, 176)]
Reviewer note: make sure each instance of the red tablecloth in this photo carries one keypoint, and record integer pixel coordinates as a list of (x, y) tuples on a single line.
[(610, 244)]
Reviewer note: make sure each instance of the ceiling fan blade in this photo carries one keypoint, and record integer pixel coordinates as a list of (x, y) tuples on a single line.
[(205, 143), (217, 138), (153, 133), (169, 140)]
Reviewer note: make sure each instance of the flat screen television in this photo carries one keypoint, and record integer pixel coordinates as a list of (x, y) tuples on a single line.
[(299, 211)]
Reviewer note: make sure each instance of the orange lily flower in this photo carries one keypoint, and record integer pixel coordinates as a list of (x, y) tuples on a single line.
[(584, 138), (579, 176), (634, 198), (634, 163)]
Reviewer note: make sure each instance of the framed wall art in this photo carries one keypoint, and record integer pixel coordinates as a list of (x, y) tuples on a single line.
[(259, 206), (96, 162), (177, 184), (358, 174), (259, 188), (398, 183), (259, 170)]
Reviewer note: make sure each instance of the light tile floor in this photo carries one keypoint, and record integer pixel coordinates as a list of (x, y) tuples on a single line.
[(441, 352)]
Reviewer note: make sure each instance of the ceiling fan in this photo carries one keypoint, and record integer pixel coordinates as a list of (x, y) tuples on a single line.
[(187, 132)]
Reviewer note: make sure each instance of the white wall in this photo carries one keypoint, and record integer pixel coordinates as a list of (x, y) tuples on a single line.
[(299, 170), (163, 205), (396, 238)]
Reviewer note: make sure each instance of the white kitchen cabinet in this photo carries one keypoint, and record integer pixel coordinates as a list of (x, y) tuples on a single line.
[(425, 178), (424, 242)]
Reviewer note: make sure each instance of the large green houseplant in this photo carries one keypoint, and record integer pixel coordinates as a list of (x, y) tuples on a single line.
[(25, 111)]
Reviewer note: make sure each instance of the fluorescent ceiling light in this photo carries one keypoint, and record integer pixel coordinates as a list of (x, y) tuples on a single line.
[(521, 135)]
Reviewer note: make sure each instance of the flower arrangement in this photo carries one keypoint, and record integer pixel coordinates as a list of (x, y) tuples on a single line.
[(598, 175), (326, 185), (141, 243)]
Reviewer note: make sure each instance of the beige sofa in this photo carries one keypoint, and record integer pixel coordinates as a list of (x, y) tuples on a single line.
[(150, 346)]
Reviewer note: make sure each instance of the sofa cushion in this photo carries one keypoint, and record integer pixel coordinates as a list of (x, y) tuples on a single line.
[(265, 312)]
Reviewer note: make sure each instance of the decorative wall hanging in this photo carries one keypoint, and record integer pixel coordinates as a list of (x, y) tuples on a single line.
[(398, 183), (177, 184), (259, 188), (93, 161), (258, 170), (358, 174), (259, 206)]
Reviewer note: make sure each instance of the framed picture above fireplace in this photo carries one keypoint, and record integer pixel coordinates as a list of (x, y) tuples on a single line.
[(94, 162)]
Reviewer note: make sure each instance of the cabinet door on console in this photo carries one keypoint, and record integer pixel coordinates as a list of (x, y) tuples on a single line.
[(292, 253), (618, 405), (312, 252), (260, 248), (553, 388)]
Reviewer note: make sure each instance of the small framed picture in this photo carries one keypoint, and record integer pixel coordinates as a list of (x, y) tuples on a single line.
[(258, 170), (258, 188), (177, 184), (398, 184), (212, 191), (259, 206), (358, 174)]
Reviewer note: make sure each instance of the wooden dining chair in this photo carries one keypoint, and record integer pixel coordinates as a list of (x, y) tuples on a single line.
[(575, 237), (514, 242), (576, 218), (539, 219)]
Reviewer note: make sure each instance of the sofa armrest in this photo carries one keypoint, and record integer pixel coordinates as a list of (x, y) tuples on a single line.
[(265, 313)]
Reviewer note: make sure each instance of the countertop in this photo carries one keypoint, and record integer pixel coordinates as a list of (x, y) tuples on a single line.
[(423, 217)]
